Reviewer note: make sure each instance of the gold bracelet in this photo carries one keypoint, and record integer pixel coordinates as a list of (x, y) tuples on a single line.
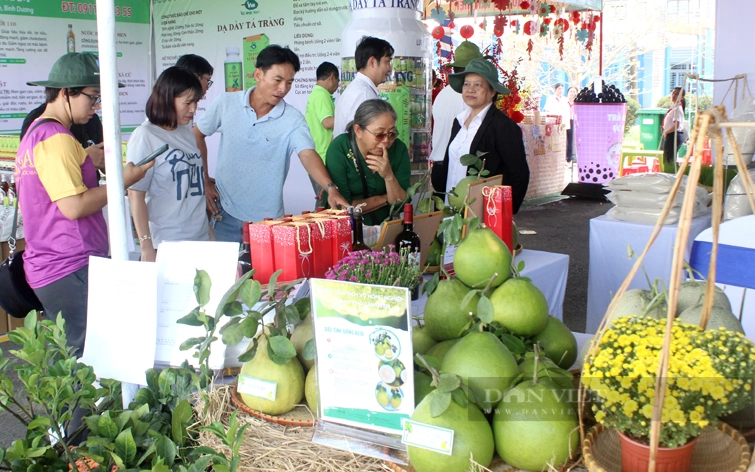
[(144, 238)]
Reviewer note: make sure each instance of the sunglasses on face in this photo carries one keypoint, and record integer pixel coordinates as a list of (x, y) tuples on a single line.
[(381, 136)]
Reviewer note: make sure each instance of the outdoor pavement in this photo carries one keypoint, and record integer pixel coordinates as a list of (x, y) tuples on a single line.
[(562, 225)]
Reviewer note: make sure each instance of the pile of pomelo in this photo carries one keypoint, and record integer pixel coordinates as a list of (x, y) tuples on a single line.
[(481, 327)]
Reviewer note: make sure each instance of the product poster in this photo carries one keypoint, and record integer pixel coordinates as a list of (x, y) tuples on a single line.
[(599, 133), (364, 354), (35, 33)]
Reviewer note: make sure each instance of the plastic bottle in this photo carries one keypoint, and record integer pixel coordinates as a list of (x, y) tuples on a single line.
[(70, 40), (233, 72)]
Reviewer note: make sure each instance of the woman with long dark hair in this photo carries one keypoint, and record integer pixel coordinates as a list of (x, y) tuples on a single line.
[(169, 203), (674, 128)]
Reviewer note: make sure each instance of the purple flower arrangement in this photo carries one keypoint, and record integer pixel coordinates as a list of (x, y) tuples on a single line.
[(377, 268)]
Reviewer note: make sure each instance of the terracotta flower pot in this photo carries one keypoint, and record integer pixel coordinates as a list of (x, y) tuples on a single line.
[(635, 456)]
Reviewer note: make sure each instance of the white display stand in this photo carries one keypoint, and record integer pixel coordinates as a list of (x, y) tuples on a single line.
[(735, 268), (547, 270), (610, 263)]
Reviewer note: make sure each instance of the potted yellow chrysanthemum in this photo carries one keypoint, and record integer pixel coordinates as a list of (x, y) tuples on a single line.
[(710, 375)]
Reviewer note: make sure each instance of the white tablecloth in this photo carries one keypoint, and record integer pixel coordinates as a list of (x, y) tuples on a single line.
[(547, 270), (734, 270), (610, 263)]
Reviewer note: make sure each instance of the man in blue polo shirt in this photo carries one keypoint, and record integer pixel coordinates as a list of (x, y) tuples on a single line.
[(259, 131)]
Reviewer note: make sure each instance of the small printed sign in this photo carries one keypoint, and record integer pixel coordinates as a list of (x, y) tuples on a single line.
[(428, 437), (257, 387)]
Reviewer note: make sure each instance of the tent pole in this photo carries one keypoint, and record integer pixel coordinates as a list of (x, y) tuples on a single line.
[(111, 128), (600, 60)]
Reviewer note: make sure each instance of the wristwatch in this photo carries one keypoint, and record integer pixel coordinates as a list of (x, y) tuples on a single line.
[(331, 185)]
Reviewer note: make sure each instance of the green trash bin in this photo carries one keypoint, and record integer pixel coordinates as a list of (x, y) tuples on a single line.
[(650, 127)]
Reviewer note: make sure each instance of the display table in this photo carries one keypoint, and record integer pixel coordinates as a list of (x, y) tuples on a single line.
[(547, 270), (735, 265), (545, 146), (610, 264)]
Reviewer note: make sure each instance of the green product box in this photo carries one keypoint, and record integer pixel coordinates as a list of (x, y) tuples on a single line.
[(398, 96), (252, 47)]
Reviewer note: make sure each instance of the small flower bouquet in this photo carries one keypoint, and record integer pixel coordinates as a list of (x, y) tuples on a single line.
[(378, 268), (710, 375)]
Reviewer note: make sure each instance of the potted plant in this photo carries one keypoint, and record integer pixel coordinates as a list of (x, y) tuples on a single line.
[(711, 374)]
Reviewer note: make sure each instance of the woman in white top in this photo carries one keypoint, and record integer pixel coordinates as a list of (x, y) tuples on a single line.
[(674, 127), (169, 203)]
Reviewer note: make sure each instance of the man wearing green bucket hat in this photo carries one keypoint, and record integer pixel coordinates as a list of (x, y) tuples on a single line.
[(448, 103), (483, 128), (58, 192)]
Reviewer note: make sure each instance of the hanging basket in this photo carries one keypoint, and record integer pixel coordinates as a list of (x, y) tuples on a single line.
[(711, 122), (299, 416), (720, 449)]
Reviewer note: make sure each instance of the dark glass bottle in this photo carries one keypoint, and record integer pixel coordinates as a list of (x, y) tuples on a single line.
[(357, 242), (245, 256), (409, 239)]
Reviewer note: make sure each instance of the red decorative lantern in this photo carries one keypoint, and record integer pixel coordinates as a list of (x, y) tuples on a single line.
[(547, 21), (553, 9), (438, 32), (575, 17), (530, 28), (596, 18), (498, 32), (466, 31), (452, 25), (524, 5), (561, 24)]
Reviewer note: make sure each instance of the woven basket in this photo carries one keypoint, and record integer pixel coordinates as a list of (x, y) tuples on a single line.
[(299, 416), (720, 449)]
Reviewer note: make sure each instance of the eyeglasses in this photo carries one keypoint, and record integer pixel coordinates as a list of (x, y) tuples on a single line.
[(95, 100), (209, 83), (381, 136)]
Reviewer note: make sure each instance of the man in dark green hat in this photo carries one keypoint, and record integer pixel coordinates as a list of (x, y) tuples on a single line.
[(59, 194), (484, 130), (448, 103)]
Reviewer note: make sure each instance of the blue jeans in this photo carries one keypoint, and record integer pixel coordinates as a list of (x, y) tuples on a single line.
[(226, 227)]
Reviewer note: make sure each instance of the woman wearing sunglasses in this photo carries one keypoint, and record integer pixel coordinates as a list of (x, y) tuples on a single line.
[(169, 203), (368, 164)]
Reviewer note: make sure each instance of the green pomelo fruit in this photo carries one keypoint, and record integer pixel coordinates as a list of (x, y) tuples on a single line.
[(635, 302), (535, 427), (433, 255), (421, 339), (692, 292), (444, 317), (289, 378), (440, 350), (480, 255), (719, 318), (482, 361), (559, 343), (422, 386), (461, 191), (299, 338), (310, 390), (472, 437), (520, 307)]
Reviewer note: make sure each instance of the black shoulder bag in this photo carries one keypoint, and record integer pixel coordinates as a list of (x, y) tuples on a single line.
[(16, 296)]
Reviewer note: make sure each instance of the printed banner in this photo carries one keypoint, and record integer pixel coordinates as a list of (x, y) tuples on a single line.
[(35, 33), (364, 354)]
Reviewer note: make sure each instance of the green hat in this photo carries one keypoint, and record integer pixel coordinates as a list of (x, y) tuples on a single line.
[(480, 67), (465, 52), (75, 69)]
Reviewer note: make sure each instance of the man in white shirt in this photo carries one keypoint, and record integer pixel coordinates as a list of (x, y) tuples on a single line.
[(448, 104), (373, 61)]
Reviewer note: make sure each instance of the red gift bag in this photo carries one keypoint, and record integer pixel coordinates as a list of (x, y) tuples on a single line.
[(499, 212), (261, 249), (341, 237), (323, 233), (292, 250)]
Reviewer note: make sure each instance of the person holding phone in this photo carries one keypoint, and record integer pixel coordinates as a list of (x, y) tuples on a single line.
[(169, 203), (59, 195)]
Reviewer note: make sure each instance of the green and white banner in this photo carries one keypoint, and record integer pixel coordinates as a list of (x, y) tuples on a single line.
[(35, 33)]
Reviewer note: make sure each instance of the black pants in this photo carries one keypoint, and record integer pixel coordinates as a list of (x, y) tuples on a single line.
[(669, 152), (570, 142), (69, 297)]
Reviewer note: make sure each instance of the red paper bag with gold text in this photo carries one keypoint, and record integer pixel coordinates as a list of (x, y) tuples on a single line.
[(292, 249), (323, 233), (341, 237), (498, 212), (261, 249)]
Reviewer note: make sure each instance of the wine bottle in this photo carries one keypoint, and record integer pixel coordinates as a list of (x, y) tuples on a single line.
[(357, 243), (245, 255), (407, 240)]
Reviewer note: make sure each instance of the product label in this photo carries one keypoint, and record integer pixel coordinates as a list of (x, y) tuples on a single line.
[(257, 387), (428, 437), (233, 77)]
